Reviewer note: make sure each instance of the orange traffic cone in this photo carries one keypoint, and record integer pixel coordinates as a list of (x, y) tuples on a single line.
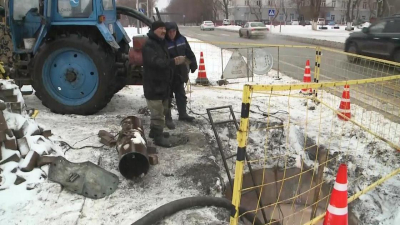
[(307, 78), (337, 213), (344, 107), (202, 74)]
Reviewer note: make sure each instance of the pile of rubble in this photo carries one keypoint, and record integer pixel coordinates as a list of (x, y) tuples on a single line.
[(6, 45), (23, 142)]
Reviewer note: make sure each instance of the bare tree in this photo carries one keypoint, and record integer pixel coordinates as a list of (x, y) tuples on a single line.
[(255, 7), (315, 6), (351, 6), (194, 10), (223, 5), (371, 6), (277, 8), (283, 8), (299, 4)]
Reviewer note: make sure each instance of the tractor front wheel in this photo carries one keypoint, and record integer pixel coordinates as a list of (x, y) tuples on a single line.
[(74, 75)]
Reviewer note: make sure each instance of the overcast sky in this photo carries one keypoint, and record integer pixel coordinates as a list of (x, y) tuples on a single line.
[(162, 4)]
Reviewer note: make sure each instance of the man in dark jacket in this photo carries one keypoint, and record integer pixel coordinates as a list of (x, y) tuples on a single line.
[(178, 46), (157, 80)]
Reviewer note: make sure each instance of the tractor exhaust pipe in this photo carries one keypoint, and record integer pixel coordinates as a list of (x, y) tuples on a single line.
[(158, 14), (132, 148)]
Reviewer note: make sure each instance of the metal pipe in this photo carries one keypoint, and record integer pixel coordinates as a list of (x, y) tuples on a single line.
[(132, 148)]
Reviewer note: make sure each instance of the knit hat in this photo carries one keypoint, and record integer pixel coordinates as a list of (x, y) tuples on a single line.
[(157, 24)]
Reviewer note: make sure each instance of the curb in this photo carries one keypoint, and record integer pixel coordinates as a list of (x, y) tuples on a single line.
[(311, 41)]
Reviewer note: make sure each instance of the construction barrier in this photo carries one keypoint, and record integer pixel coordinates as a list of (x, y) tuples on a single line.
[(352, 117), (326, 65), (305, 149)]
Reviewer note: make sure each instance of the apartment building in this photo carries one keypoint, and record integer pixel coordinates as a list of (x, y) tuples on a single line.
[(286, 10)]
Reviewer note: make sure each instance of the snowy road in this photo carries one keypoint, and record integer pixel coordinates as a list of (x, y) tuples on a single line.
[(334, 66)]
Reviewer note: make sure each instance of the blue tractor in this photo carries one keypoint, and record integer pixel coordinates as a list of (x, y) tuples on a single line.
[(75, 53)]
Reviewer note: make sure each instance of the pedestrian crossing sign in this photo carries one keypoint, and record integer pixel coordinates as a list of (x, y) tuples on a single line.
[(271, 12)]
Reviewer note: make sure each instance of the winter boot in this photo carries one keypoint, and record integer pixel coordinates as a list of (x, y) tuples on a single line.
[(183, 114), (152, 135), (160, 140), (168, 120), (186, 117)]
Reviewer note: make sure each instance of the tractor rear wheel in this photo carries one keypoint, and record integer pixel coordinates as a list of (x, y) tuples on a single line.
[(120, 80), (74, 75)]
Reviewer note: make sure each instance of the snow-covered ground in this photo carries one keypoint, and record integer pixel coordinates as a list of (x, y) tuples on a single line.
[(336, 35), (367, 157), (195, 168)]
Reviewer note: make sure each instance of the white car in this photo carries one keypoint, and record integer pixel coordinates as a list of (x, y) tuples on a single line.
[(226, 22), (295, 22), (253, 29), (207, 25)]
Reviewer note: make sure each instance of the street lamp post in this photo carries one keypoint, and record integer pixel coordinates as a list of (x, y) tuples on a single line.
[(147, 13)]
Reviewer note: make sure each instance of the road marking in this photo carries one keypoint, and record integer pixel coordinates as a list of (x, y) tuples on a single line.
[(226, 35), (204, 35)]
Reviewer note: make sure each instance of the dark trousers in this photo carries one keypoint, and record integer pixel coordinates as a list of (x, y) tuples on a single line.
[(178, 88)]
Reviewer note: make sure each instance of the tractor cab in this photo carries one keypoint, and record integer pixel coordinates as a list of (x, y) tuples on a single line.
[(25, 21), (31, 20)]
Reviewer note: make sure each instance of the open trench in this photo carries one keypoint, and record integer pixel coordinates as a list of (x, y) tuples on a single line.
[(296, 193), (296, 211)]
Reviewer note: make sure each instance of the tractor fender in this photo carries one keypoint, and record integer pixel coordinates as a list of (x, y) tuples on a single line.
[(107, 35), (122, 30)]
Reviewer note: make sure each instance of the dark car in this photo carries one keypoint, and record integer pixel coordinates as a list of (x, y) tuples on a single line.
[(380, 40)]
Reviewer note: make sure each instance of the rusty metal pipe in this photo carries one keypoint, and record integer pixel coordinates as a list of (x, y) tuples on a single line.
[(132, 148)]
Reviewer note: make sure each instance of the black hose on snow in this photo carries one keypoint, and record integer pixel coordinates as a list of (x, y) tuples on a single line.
[(171, 208)]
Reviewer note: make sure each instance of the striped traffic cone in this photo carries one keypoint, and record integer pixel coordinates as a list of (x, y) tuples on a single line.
[(337, 212), (202, 74), (344, 107), (307, 78)]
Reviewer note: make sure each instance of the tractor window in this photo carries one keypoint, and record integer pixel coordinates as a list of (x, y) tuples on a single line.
[(108, 4), (22, 7), (75, 8)]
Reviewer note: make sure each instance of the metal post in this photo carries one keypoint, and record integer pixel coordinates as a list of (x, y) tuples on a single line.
[(148, 13), (278, 62), (222, 65), (137, 21), (252, 64), (248, 67)]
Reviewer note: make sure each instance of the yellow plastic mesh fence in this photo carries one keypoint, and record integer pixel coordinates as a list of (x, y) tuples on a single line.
[(326, 65), (296, 142)]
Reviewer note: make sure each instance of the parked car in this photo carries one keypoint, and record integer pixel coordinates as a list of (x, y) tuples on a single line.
[(253, 29), (332, 23), (294, 22), (207, 25), (226, 22), (380, 40), (321, 21)]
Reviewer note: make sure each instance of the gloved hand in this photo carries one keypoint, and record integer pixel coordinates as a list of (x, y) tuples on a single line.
[(179, 60), (193, 69)]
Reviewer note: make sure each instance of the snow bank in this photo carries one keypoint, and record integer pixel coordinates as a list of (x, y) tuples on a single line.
[(229, 28)]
